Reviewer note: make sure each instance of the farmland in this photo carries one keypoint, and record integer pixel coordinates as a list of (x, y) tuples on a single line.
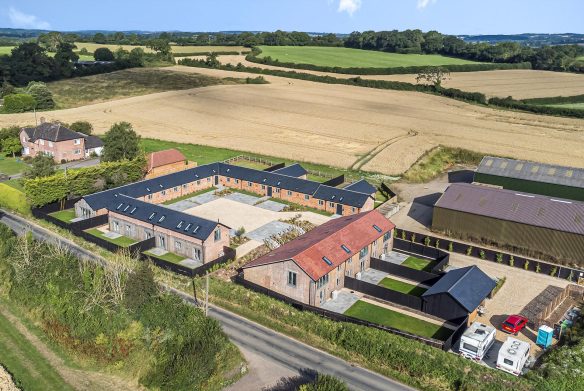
[(122, 84), (5, 49), (90, 46), (578, 106), (345, 57), (336, 125)]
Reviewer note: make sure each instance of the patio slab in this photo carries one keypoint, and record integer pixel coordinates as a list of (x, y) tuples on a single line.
[(342, 303), (190, 263), (243, 198), (112, 235), (267, 230), (373, 276), (158, 251), (395, 257), (272, 205)]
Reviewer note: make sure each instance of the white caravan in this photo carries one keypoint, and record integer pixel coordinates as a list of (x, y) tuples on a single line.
[(476, 341), (513, 355)]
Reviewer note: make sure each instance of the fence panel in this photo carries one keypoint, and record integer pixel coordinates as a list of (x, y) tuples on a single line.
[(455, 336), (275, 167), (382, 293), (93, 222), (404, 271), (99, 241), (335, 181)]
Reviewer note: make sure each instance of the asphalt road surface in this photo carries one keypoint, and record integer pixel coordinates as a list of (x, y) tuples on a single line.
[(273, 347)]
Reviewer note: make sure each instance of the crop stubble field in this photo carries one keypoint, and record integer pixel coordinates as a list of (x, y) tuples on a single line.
[(331, 124)]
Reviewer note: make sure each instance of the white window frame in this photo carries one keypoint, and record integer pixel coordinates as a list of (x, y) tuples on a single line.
[(77, 141)]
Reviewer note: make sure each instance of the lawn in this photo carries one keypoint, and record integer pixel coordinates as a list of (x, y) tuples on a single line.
[(300, 208), (6, 49), (418, 264), (397, 320), (122, 241), (169, 257), (30, 370), (346, 57), (577, 106), (80, 91), (249, 164), (11, 166), (64, 215), (402, 287), (13, 199), (190, 195)]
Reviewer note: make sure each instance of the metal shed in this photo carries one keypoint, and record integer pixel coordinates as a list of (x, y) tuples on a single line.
[(538, 178), (537, 224)]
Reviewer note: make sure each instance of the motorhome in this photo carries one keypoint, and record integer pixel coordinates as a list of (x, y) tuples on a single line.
[(513, 356), (477, 340)]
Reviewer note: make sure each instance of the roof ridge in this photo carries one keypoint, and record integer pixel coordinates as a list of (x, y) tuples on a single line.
[(468, 270)]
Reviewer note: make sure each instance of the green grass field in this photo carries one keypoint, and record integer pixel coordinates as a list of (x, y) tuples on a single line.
[(64, 215), (346, 57), (10, 166), (6, 49), (576, 106), (187, 196), (122, 241), (397, 320), (402, 287), (418, 263), (80, 91), (169, 257), (30, 370)]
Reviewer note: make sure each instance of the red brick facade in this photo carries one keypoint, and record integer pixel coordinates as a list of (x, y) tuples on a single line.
[(61, 150)]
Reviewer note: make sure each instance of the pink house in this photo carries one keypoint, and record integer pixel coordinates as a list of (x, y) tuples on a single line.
[(56, 140)]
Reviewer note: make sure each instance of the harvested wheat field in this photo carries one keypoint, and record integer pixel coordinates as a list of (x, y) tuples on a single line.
[(520, 84), (381, 130)]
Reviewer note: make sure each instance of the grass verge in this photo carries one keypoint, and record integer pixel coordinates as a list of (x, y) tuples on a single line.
[(14, 199), (402, 287), (437, 161), (30, 370), (168, 257), (418, 264), (122, 241), (397, 320), (64, 215), (292, 207), (190, 195), (11, 166)]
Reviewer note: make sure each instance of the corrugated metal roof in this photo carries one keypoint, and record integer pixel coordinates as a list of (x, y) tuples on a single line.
[(309, 250), (469, 286), (160, 216), (295, 170), (531, 209), (531, 171), (362, 186)]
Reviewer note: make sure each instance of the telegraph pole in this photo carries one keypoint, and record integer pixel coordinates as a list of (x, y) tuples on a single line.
[(207, 294)]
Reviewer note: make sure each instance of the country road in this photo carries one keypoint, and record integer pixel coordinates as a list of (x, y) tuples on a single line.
[(275, 349)]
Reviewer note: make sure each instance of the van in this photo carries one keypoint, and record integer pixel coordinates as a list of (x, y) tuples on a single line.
[(513, 356), (476, 341)]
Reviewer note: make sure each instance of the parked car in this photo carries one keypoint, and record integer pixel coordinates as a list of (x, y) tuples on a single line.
[(514, 324), (513, 355)]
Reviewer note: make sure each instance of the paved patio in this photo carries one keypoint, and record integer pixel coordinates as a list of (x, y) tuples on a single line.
[(112, 235), (190, 263), (272, 205), (342, 303), (373, 276), (243, 198), (267, 230), (395, 257), (201, 199), (158, 251)]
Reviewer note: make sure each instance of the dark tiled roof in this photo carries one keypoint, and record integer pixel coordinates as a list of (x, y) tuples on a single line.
[(531, 209), (346, 197), (354, 232), (93, 142), (160, 216), (530, 171), (362, 186), (51, 132), (295, 170), (469, 286)]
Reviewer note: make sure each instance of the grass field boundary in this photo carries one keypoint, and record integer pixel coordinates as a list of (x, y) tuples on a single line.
[(470, 67), (271, 163)]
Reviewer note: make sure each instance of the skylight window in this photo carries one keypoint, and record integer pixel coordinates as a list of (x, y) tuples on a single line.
[(161, 219), (346, 249), (519, 167), (552, 171), (504, 165), (489, 163), (133, 210), (126, 208), (327, 261), (180, 224), (148, 189), (119, 206), (341, 199), (196, 229), (161, 186), (152, 216), (188, 226), (534, 169), (377, 228)]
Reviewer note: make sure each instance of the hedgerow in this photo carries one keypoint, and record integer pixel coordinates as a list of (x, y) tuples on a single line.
[(83, 181), (511, 103)]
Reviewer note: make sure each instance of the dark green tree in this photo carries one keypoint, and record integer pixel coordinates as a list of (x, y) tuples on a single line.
[(41, 94), (103, 54), (81, 127), (11, 146), (212, 60), (121, 142), (99, 38), (65, 59), (42, 165), (140, 288), (29, 62), (159, 45), (50, 41)]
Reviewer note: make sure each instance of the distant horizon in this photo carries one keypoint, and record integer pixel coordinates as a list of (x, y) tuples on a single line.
[(452, 17)]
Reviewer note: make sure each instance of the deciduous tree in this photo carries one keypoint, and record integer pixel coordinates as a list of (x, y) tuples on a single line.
[(42, 165), (121, 142), (11, 146), (434, 76)]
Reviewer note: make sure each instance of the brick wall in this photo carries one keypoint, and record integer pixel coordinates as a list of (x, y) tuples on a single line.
[(62, 150), (169, 169), (160, 196), (275, 277)]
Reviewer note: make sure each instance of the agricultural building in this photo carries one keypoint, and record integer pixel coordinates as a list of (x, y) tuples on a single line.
[(165, 162), (538, 224), (537, 178)]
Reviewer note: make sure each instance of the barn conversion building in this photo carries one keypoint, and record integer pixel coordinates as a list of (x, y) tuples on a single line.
[(537, 178), (313, 266), (539, 225)]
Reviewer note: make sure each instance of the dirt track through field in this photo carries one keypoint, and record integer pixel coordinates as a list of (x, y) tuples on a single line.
[(520, 84), (331, 124)]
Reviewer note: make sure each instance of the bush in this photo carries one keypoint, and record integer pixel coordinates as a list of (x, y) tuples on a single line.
[(325, 383), (103, 54), (450, 247), (19, 103), (41, 94), (511, 261), (81, 127), (526, 265), (499, 258), (469, 251), (482, 254), (538, 268), (554, 271)]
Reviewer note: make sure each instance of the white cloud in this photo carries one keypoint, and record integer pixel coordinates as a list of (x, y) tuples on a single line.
[(424, 3), (21, 20), (349, 6)]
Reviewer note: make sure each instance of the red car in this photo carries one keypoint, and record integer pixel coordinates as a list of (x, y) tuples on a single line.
[(514, 324)]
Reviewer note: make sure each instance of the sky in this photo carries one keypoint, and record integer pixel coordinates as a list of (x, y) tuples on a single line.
[(339, 16)]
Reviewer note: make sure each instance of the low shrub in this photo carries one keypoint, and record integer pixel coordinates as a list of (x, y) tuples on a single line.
[(469, 251), (511, 261), (19, 103), (526, 265), (499, 258)]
